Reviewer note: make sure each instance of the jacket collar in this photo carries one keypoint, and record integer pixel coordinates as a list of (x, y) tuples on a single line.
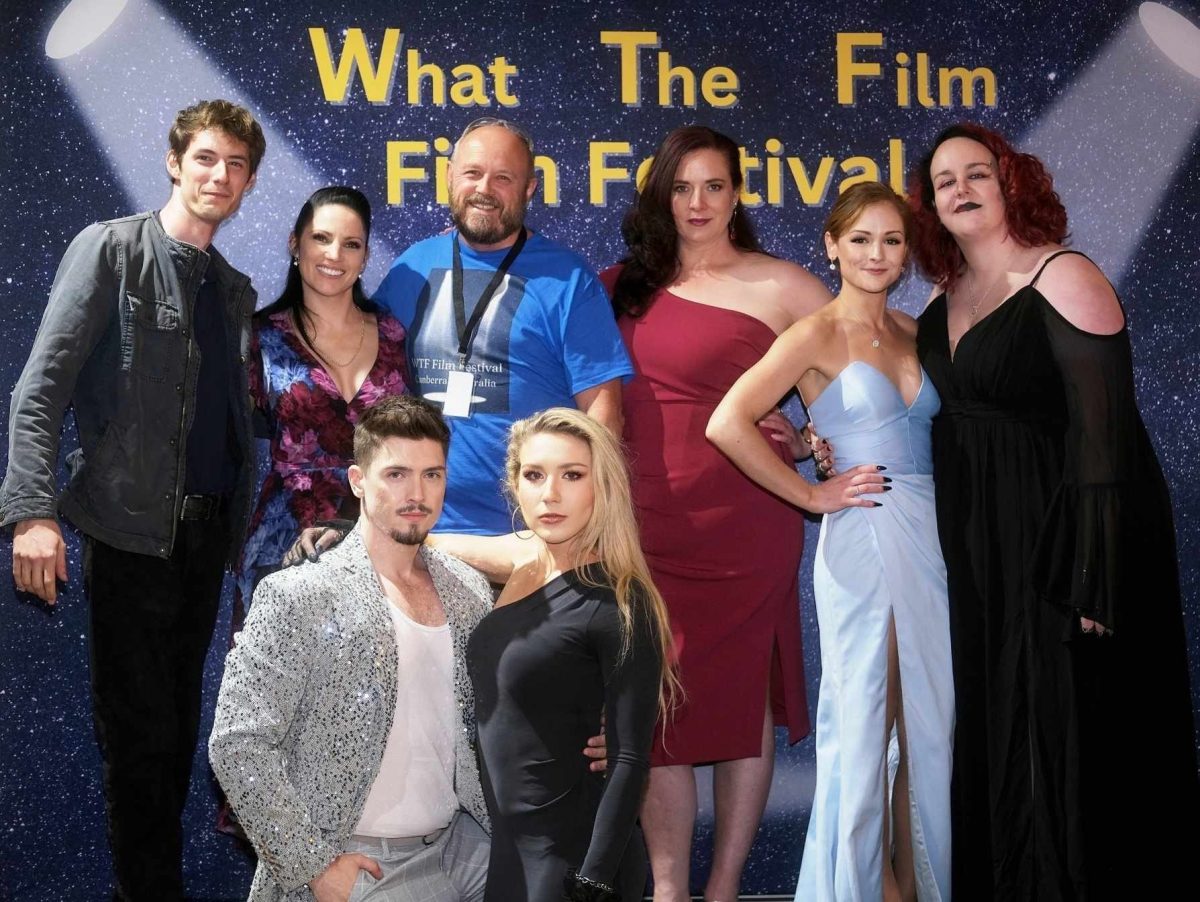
[(351, 555), (191, 261)]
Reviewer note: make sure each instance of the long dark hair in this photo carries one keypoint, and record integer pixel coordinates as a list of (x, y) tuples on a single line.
[(649, 226), (292, 299)]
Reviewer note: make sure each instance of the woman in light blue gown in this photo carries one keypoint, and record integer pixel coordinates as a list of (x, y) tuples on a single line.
[(880, 823)]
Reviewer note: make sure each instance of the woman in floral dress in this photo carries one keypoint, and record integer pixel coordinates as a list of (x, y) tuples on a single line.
[(321, 355)]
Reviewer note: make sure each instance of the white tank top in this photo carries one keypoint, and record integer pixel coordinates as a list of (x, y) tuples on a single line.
[(413, 794)]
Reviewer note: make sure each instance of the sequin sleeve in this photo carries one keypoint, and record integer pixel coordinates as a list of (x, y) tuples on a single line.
[(261, 694)]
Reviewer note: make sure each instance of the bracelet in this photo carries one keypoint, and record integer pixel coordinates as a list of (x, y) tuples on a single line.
[(581, 889)]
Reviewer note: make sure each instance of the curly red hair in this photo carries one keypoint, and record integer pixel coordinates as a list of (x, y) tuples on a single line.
[(1034, 213)]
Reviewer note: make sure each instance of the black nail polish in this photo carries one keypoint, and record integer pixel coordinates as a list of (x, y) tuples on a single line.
[(887, 479), (887, 488), (878, 503), (881, 468)]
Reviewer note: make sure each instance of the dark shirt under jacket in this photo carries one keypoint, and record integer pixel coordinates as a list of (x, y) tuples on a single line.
[(212, 455)]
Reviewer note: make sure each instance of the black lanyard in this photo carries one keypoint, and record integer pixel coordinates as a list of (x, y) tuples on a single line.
[(468, 328)]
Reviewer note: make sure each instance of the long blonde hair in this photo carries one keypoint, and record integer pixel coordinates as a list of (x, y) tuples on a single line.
[(611, 535)]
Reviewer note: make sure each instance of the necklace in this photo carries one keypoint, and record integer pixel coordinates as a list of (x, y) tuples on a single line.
[(977, 299), (362, 334), (876, 336)]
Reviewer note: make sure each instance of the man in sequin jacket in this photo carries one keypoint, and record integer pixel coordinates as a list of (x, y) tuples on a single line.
[(345, 724)]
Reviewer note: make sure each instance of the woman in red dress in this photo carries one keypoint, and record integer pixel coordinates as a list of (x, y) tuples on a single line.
[(698, 303)]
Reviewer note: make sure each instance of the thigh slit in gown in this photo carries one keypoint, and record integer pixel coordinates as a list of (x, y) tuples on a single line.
[(875, 566)]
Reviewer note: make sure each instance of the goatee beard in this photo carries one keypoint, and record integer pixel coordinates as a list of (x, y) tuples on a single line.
[(414, 536), (490, 231)]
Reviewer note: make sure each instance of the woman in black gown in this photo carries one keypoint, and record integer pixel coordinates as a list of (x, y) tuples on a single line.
[(579, 629), (1075, 770)]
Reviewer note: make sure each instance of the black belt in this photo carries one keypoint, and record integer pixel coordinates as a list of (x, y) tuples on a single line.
[(202, 507)]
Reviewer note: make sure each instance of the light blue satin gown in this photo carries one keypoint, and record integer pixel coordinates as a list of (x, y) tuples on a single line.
[(874, 564)]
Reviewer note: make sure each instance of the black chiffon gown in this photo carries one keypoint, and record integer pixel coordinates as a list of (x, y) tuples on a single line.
[(1074, 767), (544, 667)]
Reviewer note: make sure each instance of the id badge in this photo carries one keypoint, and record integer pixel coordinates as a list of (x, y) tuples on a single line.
[(460, 388)]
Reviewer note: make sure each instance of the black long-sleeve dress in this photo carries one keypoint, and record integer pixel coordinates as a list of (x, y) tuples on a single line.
[(1074, 759), (544, 667)]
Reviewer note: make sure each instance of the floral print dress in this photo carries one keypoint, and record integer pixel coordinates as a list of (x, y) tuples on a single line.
[(311, 428)]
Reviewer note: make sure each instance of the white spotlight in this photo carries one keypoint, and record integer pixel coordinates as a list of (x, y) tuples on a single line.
[(128, 87), (1117, 135), (80, 24), (1175, 36)]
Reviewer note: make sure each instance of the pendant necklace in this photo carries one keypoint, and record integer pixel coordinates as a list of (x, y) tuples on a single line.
[(876, 336), (978, 299), (362, 334)]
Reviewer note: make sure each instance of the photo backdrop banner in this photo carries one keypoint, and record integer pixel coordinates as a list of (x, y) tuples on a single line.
[(372, 93)]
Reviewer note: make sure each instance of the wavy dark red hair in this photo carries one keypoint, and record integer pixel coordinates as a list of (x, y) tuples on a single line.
[(1033, 211)]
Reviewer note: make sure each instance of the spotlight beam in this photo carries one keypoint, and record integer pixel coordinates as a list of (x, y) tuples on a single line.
[(129, 106), (1118, 134)]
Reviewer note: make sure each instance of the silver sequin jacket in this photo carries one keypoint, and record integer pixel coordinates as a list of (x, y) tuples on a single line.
[(306, 705)]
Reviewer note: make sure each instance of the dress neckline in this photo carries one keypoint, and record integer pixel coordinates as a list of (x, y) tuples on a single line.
[(952, 352), (316, 363), (739, 313), (571, 577), (886, 378)]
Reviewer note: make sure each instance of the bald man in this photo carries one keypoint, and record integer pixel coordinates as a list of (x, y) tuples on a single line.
[(502, 322)]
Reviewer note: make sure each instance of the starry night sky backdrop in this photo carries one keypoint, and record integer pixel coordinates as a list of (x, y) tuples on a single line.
[(83, 139)]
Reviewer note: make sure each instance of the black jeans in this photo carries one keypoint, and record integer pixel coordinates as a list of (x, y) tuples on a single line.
[(152, 620)]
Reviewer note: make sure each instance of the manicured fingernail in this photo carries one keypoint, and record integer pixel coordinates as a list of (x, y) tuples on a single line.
[(887, 479), (887, 488), (881, 468), (878, 503)]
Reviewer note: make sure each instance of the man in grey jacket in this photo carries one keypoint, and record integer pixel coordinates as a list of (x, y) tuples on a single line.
[(345, 724), (145, 336)]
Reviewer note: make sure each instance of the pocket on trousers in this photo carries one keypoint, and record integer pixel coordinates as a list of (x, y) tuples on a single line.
[(465, 857), (362, 886)]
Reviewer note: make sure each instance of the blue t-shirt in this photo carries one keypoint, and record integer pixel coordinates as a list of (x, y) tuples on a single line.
[(547, 335)]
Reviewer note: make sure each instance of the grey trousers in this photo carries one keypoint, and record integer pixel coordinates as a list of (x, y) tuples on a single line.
[(451, 868)]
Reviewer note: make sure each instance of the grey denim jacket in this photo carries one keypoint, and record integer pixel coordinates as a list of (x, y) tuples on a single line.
[(116, 344), (306, 706)]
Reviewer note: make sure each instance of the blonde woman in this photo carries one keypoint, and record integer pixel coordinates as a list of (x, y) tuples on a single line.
[(578, 629)]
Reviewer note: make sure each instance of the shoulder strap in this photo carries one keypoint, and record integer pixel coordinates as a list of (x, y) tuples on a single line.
[(1051, 259)]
